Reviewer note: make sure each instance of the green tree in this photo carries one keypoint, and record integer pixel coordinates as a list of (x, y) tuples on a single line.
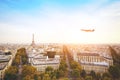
[(21, 56), (115, 56), (22, 52), (57, 73), (76, 73), (36, 76), (93, 74), (83, 73), (98, 76), (65, 78), (28, 70), (16, 62), (46, 77), (11, 73), (88, 78), (24, 60), (106, 74), (49, 69), (106, 78), (42, 75), (61, 73), (39, 78), (63, 65), (75, 65), (27, 77), (114, 71), (54, 78)]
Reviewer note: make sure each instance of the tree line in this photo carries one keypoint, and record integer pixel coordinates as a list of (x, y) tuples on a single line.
[(78, 73)]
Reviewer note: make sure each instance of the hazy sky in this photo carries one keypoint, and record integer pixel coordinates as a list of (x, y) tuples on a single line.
[(59, 21)]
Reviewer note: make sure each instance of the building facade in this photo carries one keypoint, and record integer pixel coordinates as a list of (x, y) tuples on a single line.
[(41, 62), (94, 62)]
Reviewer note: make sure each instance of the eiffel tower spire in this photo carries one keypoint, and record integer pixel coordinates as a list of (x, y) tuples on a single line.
[(33, 42)]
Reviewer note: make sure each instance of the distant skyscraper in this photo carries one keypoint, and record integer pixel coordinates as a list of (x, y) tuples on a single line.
[(33, 42)]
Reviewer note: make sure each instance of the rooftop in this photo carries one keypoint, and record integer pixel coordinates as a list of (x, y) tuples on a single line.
[(95, 63), (43, 61), (88, 54), (2, 65), (4, 58), (1, 53)]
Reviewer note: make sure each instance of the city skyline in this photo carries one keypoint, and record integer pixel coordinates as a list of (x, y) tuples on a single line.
[(59, 21)]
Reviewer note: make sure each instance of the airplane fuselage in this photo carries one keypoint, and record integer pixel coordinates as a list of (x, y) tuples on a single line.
[(88, 30)]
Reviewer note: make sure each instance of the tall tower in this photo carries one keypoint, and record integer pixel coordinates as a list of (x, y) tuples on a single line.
[(33, 42)]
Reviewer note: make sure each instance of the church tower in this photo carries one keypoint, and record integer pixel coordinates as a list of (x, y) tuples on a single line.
[(33, 42)]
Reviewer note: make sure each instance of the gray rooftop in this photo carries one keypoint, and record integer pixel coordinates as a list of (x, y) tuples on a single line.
[(4, 58)]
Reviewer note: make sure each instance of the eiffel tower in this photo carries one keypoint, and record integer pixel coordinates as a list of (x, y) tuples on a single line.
[(33, 42)]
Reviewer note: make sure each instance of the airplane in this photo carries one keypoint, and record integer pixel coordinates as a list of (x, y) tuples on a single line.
[(88, 30)]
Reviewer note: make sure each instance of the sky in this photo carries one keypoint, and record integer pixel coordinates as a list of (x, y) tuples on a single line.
[(59, 21)]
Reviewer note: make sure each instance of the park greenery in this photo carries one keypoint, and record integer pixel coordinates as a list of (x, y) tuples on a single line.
[(11, 73)]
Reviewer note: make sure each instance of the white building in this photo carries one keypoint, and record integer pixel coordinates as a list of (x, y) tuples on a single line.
[(92, 57), (95, 62), (41, 62)]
